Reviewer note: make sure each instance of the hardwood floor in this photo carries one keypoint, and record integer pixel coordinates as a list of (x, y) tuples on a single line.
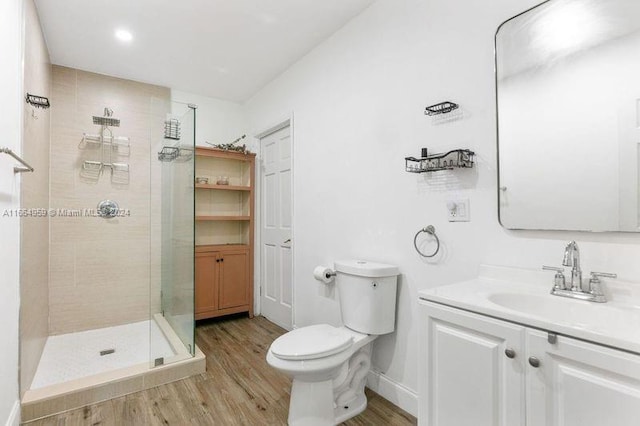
[(239, 388)]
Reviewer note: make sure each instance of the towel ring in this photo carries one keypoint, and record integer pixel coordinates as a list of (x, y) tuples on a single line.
[(431, 231)]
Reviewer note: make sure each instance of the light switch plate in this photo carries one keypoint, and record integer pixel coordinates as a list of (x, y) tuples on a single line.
[(458, 210)]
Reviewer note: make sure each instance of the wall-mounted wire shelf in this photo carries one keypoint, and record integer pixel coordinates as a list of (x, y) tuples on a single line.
[(441, 108), (172, 129), (37, 101), (171, 153), (455, 159)]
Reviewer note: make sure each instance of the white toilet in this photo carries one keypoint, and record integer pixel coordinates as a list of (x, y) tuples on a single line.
[(329, 365)]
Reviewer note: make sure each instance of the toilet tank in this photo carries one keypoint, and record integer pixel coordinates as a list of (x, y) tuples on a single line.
[(367, 292)]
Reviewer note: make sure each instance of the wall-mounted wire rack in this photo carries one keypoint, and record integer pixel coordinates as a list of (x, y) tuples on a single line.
[(171, 153), (455, 159), (441, 108), (172, 129), (37, 101)]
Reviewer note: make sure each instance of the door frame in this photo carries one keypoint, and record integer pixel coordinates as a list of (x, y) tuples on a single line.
[(279, 124)]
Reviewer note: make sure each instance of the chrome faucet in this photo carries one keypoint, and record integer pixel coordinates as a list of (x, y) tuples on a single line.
[(592, 293), (572, 259)]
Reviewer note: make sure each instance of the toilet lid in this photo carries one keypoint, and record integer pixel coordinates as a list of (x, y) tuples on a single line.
[(315, 341)]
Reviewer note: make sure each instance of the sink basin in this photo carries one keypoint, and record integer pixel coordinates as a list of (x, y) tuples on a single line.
[(522, 297), (547, 306), (579, 313)]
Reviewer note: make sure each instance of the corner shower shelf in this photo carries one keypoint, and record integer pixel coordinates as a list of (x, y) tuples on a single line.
[(223, 187), (455, 159), (222, 218)]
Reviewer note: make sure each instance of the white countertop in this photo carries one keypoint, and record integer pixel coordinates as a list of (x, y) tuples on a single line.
[(523, 296)]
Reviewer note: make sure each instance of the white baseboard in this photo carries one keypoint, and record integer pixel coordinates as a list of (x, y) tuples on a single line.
[(394, 392), (14, 416)]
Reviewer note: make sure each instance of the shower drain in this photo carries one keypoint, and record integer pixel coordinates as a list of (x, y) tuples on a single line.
[(107, 352)]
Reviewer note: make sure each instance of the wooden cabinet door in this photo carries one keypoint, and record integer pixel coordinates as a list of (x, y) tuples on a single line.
[(206, 298), (234, 278), (581, 384), (468, 374)]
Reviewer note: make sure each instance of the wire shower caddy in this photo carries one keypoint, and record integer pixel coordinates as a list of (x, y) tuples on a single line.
[(454, 159)]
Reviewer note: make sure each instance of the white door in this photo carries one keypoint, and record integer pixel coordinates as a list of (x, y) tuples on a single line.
[(471, 369), (581, 384), (276, 286)]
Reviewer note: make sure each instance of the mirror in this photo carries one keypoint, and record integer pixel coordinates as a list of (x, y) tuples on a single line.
[(568, 99)]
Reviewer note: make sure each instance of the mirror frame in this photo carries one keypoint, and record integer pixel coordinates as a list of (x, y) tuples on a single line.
[(499, 185)]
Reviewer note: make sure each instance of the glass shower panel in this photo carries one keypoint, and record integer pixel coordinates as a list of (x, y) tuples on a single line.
[(172, 298)]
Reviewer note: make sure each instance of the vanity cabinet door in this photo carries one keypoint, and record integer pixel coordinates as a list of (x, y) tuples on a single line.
[(581, 384), (471, 369)]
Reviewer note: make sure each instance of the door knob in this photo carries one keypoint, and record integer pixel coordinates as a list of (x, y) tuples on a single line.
[(534, 362), (510, 353)]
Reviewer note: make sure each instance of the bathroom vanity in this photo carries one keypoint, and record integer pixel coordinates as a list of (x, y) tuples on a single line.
[(501, 350)]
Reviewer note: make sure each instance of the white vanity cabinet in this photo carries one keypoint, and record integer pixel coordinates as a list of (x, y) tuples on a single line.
[(466, 377), (581, 384), (476, 370)]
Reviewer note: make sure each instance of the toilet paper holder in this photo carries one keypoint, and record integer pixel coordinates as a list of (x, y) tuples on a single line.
[(324, 274)]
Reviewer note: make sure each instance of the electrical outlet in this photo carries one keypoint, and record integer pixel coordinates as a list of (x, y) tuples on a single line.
[(458, 210)]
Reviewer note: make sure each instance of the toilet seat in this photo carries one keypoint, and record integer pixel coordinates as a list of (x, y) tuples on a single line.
[(312, 342)]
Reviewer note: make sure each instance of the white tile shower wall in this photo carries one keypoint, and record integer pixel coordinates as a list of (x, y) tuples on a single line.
[(34, 252), (358, 101), (100, 269), (11, 29)]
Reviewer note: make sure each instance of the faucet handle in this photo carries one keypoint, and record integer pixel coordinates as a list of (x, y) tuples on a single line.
[(596, 275), (595, 287), (558, 280)]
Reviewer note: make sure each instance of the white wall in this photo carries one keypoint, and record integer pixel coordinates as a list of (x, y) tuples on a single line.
[(11, 27), (217, 121), (358, 101)]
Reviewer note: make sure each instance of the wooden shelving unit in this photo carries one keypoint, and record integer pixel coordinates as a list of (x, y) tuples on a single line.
[(223, 187), (224, 233), (222, 218)]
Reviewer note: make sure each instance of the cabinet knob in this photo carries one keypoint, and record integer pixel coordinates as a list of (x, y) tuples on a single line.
[(222, 260), (534, 362), (510, 353), (217, 260)]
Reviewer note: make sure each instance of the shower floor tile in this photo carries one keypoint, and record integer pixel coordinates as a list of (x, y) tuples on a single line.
[(76, 355)]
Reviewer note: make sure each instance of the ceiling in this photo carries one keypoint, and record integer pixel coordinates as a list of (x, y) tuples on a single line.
[(228, 49)]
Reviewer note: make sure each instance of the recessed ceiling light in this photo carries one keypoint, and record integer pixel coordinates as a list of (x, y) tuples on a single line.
[(124, 35)]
